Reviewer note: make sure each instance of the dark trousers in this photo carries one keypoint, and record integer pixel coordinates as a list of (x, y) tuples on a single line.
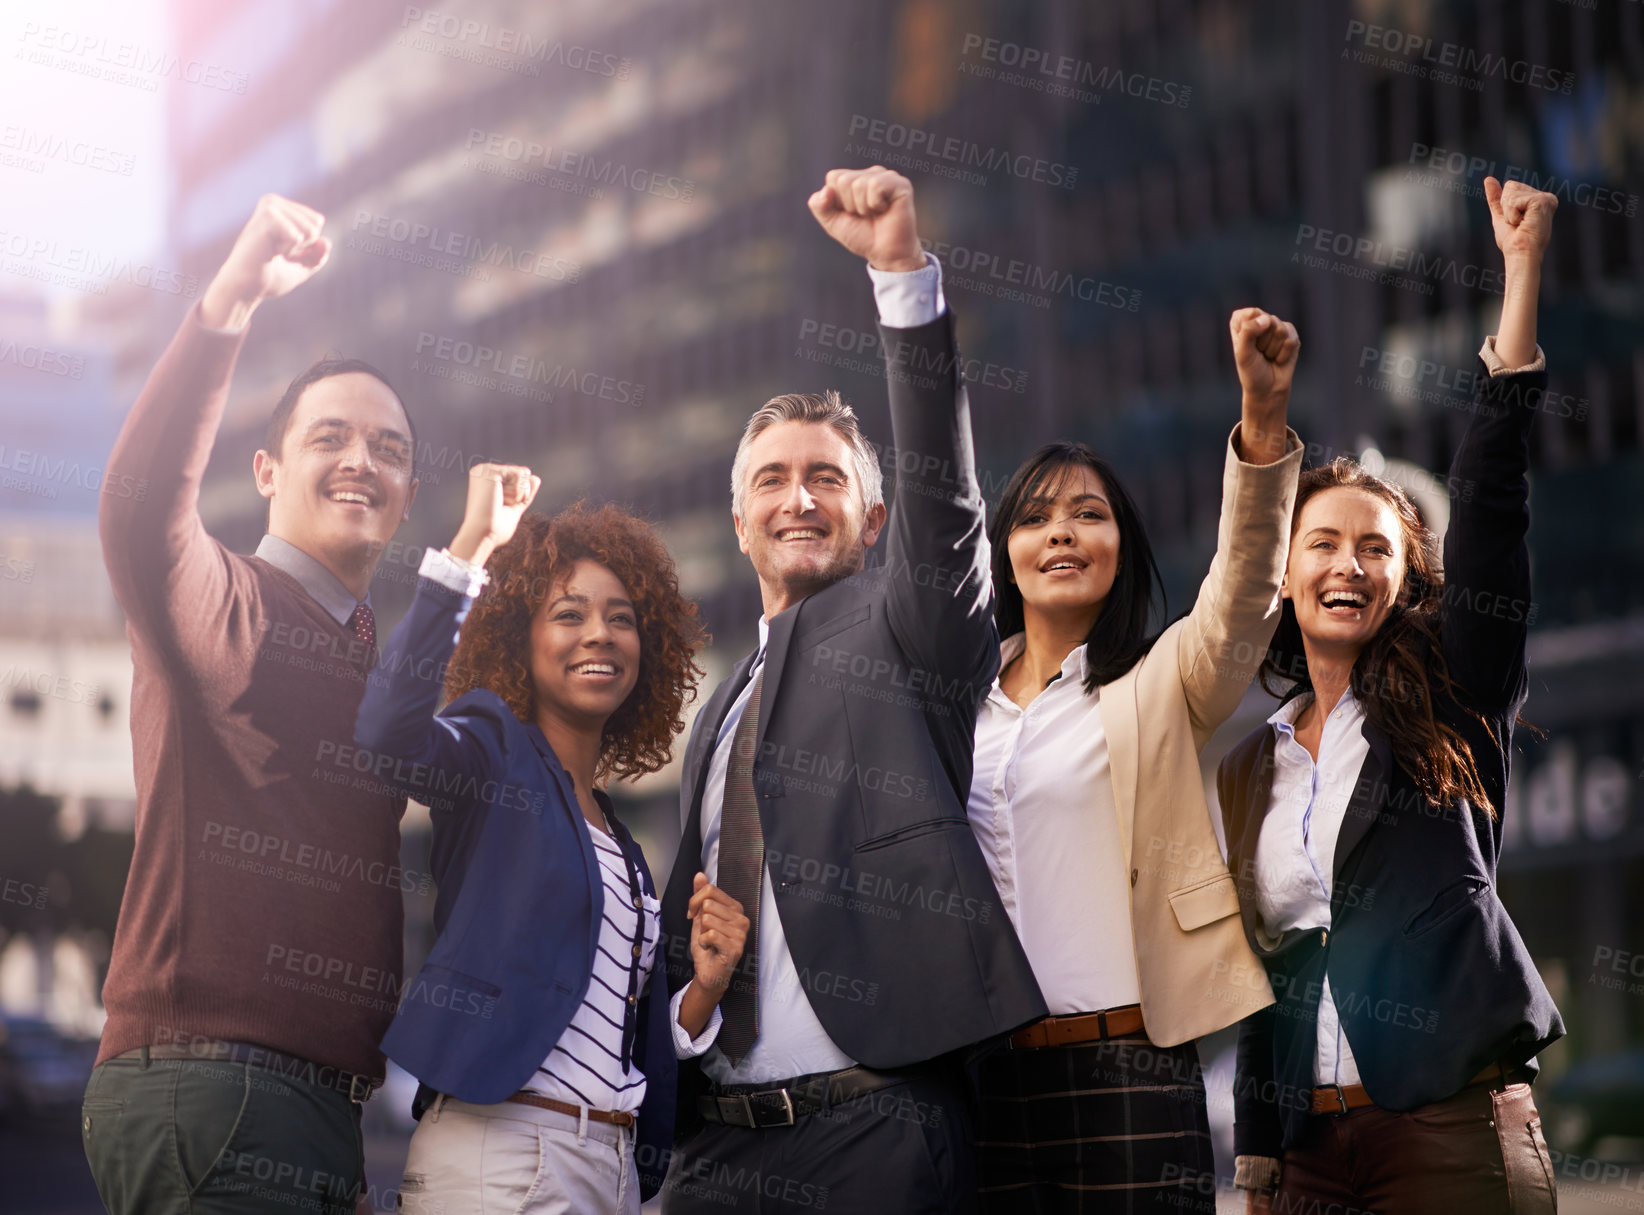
[(1115, 1126), (185, 1135), (1480, 1152), (903, 1149)]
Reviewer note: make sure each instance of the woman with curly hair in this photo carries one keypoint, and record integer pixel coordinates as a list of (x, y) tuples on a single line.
[(1364, 824), (535, 1026)]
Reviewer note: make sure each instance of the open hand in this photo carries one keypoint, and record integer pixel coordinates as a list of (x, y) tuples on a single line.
[(870, 212)]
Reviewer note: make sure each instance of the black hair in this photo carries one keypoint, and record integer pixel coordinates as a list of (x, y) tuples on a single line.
[(279, 422), (1119, 638)]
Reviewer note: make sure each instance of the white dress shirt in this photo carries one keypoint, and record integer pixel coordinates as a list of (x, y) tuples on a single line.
[(791, 1041), (1296, 851), (1042, 807)]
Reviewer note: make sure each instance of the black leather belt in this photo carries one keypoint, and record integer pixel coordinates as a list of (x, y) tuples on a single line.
[(757, 1107), (353, 1085)]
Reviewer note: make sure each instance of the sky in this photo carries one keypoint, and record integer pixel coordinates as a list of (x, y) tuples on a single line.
[(83, 93)]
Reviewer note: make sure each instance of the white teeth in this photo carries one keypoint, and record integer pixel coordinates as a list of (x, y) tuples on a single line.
[(802, 535), (594, 668), (1061, 565), (349, 496), (1344, 598)]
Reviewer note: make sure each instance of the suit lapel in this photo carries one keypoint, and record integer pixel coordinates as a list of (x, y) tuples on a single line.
[(777, 641), (590, 862), (1241, 852), (1365, 806)]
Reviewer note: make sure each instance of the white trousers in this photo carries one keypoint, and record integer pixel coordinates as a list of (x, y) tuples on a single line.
[(510, 1159)]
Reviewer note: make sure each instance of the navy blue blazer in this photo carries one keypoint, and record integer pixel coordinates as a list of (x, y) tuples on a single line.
[(1429, 975), (519, 890)]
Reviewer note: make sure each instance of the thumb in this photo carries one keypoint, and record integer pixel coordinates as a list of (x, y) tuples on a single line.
[(1492, 196)]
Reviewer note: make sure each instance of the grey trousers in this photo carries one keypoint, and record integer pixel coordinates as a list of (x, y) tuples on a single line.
[(209, 1138)]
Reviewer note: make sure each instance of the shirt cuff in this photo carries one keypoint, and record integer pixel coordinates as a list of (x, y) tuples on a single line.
[(453, 573), (1496, 367), (1255, 1172), (685, 1046), (910, 298)]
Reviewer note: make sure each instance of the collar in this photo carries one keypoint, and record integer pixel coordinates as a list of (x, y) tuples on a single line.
[(764, 640), (337, 600), (1283, 719), (1074, 667)]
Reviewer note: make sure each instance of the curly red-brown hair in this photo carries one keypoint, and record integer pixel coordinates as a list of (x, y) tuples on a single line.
[(494, 651)]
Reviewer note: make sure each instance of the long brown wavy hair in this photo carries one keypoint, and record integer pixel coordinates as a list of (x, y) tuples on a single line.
[(494, 651), (1399, 671)]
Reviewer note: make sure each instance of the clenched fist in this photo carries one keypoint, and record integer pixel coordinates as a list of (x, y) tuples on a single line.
[(870, 212), (718, 932), (1265, 350), (1522, 218), (279, 248), (498, 495)]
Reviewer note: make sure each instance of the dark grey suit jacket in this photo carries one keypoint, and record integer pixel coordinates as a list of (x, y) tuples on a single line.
[(864, 760)]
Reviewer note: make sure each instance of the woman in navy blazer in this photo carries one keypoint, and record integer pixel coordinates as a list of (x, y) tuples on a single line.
[(537, 1026), (1364, 825)]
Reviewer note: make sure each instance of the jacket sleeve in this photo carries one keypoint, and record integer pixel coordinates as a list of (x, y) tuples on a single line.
[(439, 759), (1257, 1126), (1485, 608), (166, 570), (1237, 609), (939, 580)]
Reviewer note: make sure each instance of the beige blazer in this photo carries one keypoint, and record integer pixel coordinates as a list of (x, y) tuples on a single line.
[(1194, 968)]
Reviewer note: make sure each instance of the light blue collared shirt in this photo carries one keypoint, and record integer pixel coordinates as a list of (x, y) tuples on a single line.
[(337, 600)]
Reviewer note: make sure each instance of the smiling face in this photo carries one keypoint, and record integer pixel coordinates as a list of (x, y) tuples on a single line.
[(1345, 570), (1064, 549), (804, 526), (584, 648), (341, 482)]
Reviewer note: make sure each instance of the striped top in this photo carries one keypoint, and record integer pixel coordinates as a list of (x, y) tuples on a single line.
[(586, 1065)]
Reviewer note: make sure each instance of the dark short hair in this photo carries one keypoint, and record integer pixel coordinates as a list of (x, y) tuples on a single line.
[(279, 422), (1119, 637)]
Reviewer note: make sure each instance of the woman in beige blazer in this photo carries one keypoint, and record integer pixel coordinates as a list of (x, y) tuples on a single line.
[(1089, 806)]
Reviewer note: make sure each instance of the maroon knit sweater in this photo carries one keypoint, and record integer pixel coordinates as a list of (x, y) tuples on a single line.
[(263, 903)]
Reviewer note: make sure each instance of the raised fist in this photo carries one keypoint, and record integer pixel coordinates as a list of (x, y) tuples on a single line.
[(279, 248), (1264, 351), (870, 212), (498, 494), (1522, 218)]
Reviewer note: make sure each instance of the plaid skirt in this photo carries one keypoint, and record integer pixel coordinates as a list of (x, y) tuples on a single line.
[(1115, 1126)]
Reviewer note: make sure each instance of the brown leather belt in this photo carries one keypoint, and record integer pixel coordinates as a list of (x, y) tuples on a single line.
[(353, 1085), (565, 1107), (1340, 1098), (1081, 1027)]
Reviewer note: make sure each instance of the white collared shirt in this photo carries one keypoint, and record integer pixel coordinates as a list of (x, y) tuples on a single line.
[(1296, 851), (337, 600), (1042, 807), (791, 1041)]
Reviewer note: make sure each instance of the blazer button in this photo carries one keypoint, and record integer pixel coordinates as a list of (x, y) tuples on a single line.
[(636, 951), (637, 902), (1324, 936), (1134, 873), (633, 999)]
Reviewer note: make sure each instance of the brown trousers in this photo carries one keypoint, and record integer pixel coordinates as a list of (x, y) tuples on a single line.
[(1480, 1152)]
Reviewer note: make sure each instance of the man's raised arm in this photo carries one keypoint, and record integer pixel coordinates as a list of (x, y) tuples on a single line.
[(158, 554), (941, 589)]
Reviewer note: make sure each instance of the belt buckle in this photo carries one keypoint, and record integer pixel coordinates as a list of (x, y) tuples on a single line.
[(1341, 1099), (359, 1089), (783, 1116)]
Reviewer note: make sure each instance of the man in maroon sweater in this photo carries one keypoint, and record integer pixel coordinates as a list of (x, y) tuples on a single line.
[(257, 959)]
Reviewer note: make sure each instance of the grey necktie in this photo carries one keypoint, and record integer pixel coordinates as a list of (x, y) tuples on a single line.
[(741, 875)]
